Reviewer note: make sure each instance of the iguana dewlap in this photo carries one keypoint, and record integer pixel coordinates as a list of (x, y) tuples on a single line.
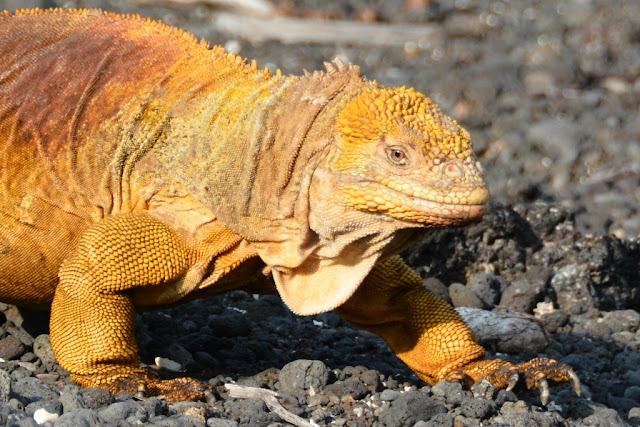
[(140, 168)]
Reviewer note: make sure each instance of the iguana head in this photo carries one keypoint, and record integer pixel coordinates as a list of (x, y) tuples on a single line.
[(396, 155), (394, 166)]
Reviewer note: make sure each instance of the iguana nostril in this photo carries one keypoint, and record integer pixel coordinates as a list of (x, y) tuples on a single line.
[(453, 171)]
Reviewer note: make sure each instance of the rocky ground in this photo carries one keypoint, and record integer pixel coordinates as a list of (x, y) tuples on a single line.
[(550, 92)]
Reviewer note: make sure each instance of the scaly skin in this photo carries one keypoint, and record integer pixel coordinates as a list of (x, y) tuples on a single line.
[(140, 168)]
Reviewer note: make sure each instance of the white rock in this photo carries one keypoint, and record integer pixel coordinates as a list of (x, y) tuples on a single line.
[(42, 416), (506, 331), (168, 364)]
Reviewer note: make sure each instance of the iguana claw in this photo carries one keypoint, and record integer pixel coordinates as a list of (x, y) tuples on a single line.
[(513, 380), (574, 381), (538, 371), (543, 385), (504, 375)]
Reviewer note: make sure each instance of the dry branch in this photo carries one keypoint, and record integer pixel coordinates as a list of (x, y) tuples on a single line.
[(257, 21), (250, 7), (270, 398), (294, 30)]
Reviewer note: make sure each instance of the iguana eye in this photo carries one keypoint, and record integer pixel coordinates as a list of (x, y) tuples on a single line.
[(397, 156)]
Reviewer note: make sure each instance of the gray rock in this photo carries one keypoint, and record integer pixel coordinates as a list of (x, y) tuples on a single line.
[(42, 348), (252, 412), (483, 389), (372, 379), (303, 374), (438, 420), (508, 332), (487, 287), (180, 354), (597, 328), (574, 289), (51, 406), (461, 296), (70, 398), (32, 389), (634, 377), (435, 286), (622, 404), (185, 421), (478, 408), (633, 392), (554, 320), (622, 320), (217, 422), (452, 392), (517, 407), (411, 407), (605, 417), (82, 417), (48, 413), (119, 411), (505, 396), (626, 361), (95, 397), (352, 387), (185, 408), (523, 294), (25, 422), (389, 395), (155, 407), (528, 419), (73, 419), (20, 373), (11, 348), (22, 335), (30, 357)]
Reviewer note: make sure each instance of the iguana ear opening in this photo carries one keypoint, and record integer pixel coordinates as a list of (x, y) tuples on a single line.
[(321, 285)]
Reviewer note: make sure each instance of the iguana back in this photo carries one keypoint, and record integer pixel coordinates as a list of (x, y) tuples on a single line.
[(73, 85)]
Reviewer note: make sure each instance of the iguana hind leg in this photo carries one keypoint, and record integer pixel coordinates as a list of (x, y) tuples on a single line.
[(431, 337), (93, 313)]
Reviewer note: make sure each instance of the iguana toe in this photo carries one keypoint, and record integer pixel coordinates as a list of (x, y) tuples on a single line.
[(173, 390), (504, 375)]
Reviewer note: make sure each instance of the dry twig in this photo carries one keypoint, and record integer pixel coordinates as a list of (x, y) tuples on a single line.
[(257, 21), (270, 398), (295, 30), (249, 7)]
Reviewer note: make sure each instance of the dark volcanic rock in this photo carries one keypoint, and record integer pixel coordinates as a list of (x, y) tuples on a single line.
[(411, 407)]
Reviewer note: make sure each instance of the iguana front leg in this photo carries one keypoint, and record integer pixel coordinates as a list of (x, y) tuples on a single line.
[(93, 313), (431, 337)]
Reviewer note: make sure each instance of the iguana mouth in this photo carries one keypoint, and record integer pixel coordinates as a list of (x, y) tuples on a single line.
[(457, 213), (427, 210)]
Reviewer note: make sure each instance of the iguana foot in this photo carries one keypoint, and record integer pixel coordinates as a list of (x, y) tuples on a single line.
[(177, 389), (503, 374)]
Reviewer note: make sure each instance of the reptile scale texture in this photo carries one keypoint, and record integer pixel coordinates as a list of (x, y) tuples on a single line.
[(140, 168)]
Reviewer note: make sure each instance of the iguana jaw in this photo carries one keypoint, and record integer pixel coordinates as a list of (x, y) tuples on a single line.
[(432, 209)]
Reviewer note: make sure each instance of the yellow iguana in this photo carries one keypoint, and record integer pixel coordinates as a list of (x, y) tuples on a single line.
[(140, 168)]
